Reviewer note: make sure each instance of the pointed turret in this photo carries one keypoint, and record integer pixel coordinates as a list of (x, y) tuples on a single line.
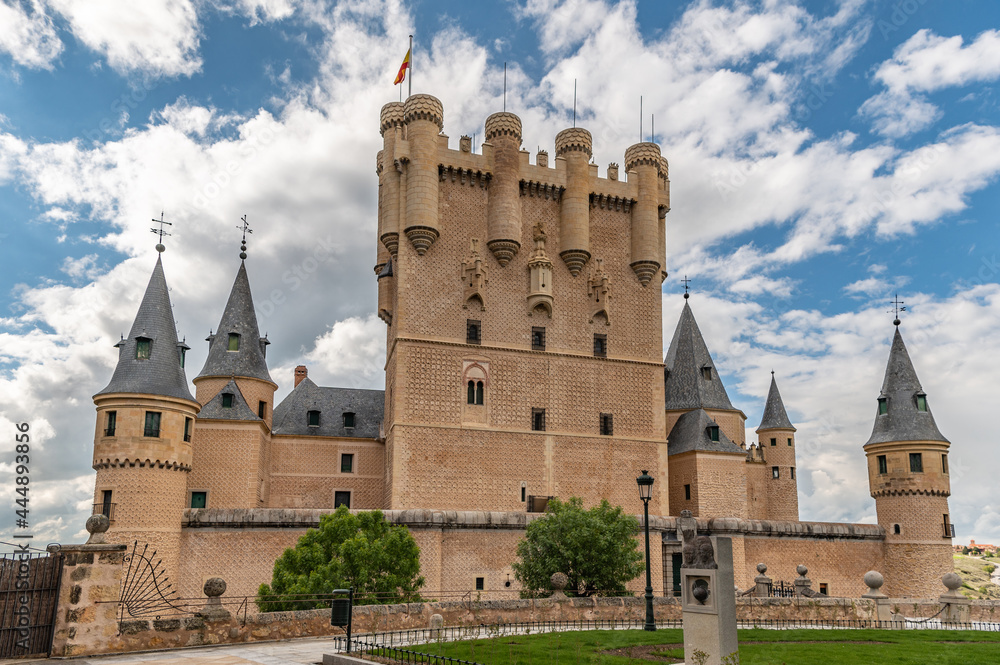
[(903, 411), (151, 360), (774, 416), (237, 349), (692, 381)]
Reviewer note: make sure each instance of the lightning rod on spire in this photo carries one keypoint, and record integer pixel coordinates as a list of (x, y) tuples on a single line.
[(897, 307), (160, 247), (245, 227)]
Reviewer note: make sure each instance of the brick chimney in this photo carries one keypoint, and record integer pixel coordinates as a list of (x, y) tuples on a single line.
[(300, 373)]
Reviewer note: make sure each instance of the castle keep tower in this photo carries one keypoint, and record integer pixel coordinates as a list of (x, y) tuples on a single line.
[(145, 420), (908, 477), (776, 437), (232, 458), (507, 369)]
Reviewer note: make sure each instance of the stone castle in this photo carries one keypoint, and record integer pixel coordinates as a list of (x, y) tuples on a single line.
[(522, 304)]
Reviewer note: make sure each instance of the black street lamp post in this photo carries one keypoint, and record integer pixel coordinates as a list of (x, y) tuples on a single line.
[(645, 482)]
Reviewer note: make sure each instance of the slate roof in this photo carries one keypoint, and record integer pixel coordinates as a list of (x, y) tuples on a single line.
[(240, 410), (368, 407), (903, 422), (774, 416), (690, 432), (686, 356), (161, 373), (239, 317)]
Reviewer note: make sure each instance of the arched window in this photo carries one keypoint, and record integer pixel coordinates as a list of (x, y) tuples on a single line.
[(479, 392), (472, 392)]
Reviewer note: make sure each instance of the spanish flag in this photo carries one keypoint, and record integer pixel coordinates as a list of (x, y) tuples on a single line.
[(401, 76)]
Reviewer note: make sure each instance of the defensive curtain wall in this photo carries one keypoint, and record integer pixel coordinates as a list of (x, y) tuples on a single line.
[(241, 545)]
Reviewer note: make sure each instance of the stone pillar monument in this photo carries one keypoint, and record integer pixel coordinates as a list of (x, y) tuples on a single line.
[(708, 595)]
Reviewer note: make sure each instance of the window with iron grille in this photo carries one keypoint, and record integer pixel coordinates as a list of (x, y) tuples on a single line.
[(883, 464), (774, 442), (347, 463), (916, 463), (341, 499), (112, 423), (473, 332), (538, 420), (187, 429), (152, 424), (601, 346), (607, 424), (537, 339), (480, 583)]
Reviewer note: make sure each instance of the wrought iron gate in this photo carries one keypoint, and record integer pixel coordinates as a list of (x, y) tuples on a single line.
[(29, 588)]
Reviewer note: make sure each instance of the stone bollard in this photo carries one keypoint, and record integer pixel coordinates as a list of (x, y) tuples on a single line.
[(956, 608), (559, 582), (213, 610), (763, 582), (89, 588), (803, 585), (874, 581), (436, 625)]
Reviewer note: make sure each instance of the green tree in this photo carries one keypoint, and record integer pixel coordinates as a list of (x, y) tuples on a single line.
[(595, 548), (379, 560)]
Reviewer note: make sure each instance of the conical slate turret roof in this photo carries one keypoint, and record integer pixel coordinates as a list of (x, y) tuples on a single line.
[(903, 420), (161, 373), (239, 317), (774, 416), (688, 384)]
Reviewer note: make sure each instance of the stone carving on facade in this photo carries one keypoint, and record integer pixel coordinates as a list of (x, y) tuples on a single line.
[(696, 551), (599, 292), (540, 270), (474, 277)]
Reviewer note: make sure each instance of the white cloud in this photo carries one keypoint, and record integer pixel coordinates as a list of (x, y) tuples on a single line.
[(926, 63), (155, 37), (27, 34)]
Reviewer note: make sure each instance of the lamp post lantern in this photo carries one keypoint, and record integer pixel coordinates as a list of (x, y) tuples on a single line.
[(645, 482)]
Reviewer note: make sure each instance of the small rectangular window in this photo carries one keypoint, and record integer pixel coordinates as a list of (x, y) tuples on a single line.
[(607, 424), (824, 588), (348, 420), (341, 499), (883, 406), (199, 499), (183, 353), (234, 342), (775, 472), (916, 463), (944, 463), (106, 503), (524, 492), (473, 332), (713, 432), (538, 420), (112, 423), (706, 373), (227, 400), (774, 442), (261, 409), (480, 583), (601, 346), (152, 425), (187, 429), (143, 348), (789, 442), (883, 465), (537, 339), (792, 471), (347, 463), (312, 418), (687, 492), (921, 402)]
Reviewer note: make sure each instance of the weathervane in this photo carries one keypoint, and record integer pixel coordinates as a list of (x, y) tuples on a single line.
[(245, 226), (160, 232), (897, 307), (686, 282)]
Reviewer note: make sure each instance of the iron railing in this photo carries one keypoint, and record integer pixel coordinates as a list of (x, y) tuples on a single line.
[(949, 530)]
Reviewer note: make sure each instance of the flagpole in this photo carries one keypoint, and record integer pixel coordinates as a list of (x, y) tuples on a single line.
[(410, 89)]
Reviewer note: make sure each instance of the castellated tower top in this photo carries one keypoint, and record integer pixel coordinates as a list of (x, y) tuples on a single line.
[(643, 153), (503, 124), (390, 116), (574, 138), (423, 107)]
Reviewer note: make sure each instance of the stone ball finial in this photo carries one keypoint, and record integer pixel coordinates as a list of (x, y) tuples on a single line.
[(215, 587), (559, 581), (801, 570), (98, 524), (952, 580), (761, 568), (874, 580)]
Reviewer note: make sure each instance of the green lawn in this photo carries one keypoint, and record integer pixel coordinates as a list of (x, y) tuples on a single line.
[(757, 647)]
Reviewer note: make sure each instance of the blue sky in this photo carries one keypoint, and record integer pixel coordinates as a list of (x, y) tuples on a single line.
[(824, 155)]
